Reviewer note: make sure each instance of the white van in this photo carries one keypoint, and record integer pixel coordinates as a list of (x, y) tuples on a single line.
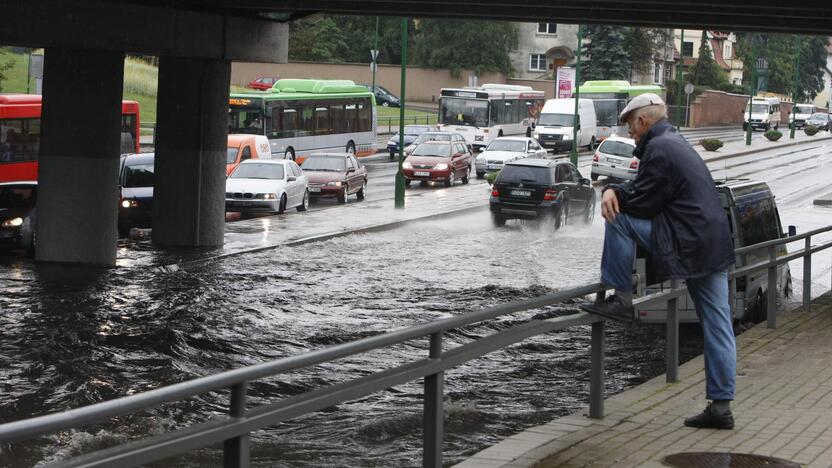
[(765, 114), (554, 127), (801, 113)]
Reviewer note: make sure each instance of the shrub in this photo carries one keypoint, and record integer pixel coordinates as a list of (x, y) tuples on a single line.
[(810, 129), (490, 177), (711, 144), (773, 135)]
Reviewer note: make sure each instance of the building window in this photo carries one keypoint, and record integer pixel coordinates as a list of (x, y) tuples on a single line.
[(537, 62), (657, 73), (687, 49), (668, 72), (727, 50), (547, 28)]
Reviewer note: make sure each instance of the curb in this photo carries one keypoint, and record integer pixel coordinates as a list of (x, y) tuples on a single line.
[(757, 150)]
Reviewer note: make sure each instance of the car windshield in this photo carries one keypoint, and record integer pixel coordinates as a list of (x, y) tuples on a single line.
[(517, 173), (17, 197), (258, 171), (617, 148), (556, 120), (819, 116), (415, 129), (507, 145), (433, 149), (324, 163), (804, 109), (138, 175), (759, 108), (232, 155), (430, 136)]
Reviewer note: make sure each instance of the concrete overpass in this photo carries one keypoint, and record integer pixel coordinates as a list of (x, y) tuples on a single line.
[(86, 41)]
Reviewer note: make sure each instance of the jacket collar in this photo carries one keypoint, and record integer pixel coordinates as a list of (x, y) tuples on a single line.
[(657, 129)]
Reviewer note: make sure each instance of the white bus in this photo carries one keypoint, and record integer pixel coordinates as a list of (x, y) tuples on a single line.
[(490, 111), (300, 117)]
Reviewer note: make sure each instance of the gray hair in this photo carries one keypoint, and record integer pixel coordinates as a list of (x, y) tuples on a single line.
[(652, 113)]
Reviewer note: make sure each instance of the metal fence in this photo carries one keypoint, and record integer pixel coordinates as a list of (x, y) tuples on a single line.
[(391, 124), (234, 429), (678, 115)]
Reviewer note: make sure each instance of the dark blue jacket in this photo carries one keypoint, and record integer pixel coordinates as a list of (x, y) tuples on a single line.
[(674, 188)]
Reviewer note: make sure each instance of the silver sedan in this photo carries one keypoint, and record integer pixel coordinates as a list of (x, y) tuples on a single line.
[(614, 159), (504, 149)]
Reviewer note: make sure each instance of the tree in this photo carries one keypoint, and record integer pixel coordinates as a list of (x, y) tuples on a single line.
[(4, 67), (642, 45), (316, 39), (607, 57), (780, 52), (706, 72), (481, 46)]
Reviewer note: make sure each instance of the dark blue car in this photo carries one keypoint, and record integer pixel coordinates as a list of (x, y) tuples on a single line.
[(411, 132), (135, 206)]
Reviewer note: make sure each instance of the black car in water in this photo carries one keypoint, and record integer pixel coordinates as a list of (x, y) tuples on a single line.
[(18, 214), (543, 189), (135, 206)]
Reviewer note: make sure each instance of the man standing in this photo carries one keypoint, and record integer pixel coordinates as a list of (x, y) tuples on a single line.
[(672, 210)]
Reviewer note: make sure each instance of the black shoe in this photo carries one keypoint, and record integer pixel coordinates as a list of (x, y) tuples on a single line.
[(711, 420), (612, 308)]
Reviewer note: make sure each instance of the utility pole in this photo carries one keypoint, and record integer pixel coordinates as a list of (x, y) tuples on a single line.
[(752, 87), (793, 123), (576, 122), (374, 54), (399, 200), (679, 85)]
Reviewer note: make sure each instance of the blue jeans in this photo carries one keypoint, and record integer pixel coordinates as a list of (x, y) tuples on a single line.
[(709, 294)]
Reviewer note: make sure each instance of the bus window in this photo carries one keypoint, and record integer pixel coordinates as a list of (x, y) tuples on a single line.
[(364, 116), (322, 126), (288, 125), (19, 140), (307, 121)]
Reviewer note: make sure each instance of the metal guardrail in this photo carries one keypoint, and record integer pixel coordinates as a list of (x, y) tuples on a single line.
[(391, 124), (234, 429)]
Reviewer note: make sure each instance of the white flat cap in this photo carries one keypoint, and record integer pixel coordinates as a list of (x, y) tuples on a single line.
[(642, 100)]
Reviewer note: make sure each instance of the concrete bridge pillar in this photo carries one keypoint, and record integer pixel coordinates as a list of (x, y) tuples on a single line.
[(79, 156), (191, 142)]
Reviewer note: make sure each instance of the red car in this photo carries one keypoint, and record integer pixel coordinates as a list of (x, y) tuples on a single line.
[(335, 175), (438, 161), (263, 83)]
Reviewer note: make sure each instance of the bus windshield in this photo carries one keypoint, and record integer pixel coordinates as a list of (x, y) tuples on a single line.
[(245, 116), (606, 112), (461, 111), (556, 120)]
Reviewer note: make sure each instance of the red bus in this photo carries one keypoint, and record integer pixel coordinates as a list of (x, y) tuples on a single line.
[(20, 134)]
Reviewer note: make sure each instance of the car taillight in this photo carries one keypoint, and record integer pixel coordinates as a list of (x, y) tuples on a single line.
[(596, 158), (634, 164), (495, 192), (550, 194)]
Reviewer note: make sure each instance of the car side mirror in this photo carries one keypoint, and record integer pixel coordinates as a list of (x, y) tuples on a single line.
[(350, 169), (291, 179), (586, 182), (482, 149), (792, 231)]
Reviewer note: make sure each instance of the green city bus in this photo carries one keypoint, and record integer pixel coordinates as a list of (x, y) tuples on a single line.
[(609, 98), (301, 116)]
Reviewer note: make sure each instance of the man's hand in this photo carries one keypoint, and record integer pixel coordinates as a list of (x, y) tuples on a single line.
[(609, 205)]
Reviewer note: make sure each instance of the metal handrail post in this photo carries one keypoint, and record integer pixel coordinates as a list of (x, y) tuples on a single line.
[(596, 379), (236, 451), (807, 275), (672, 324), (433, 419), (771, 306)]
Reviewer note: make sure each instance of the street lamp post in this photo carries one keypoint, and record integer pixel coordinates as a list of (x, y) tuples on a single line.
[(679, 71), (374, 55), (752, 87), (399, 199), (573, 155), (793, 122)]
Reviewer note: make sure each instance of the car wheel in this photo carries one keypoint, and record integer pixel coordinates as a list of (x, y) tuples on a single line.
[(392, 156), (498, 220), (344, 195), (480, 175), (760, 311), (290, 154), (363, 192), (351, 148), (451, 178), (282, 207), (787, 290), (423, 183), (467, 175), (592, 144), (305, 203), (561, 217), (407, 183)]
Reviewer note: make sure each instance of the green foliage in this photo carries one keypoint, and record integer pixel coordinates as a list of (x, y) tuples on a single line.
[(6, 64), (732, 88), (773, 135), (711, 144), (642, 45), (608, 59), (810, 129), (316, 39), (482, 46), (706, 72), (490, 177), (781, 52)]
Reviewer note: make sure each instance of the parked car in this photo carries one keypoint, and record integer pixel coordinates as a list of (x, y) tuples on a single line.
[(504, 149), (18, 214), (263, 83), (411, 132), (266, 187), (335, 175), (435, 136), (821, 120), (384, 97), (438, 161), (801, 113), (135, 180), (543, 189), (614, 159)]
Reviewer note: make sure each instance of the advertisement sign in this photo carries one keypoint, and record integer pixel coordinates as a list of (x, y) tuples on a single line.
[(565, 82)]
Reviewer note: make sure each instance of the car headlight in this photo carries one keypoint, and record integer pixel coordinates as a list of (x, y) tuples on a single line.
[(567, 136), (406, 165), (334, 183), (535, 135), (129, 203), (440, 167), (481, 159), (266, 196), (14, 222), (392, 143)]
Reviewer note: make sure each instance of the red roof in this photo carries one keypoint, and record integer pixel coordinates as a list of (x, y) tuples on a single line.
[(716, 47)]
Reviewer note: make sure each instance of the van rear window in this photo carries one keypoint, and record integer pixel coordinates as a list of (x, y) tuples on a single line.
[(758, 219), (512, 174)]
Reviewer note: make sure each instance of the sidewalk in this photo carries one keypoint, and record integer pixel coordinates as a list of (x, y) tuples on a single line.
[(783, 409), (759, 143)]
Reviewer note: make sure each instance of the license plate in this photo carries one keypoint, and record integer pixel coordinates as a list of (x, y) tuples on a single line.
[(494, 166), (614, 160), (421, 174), (521, 193), (314, 189)]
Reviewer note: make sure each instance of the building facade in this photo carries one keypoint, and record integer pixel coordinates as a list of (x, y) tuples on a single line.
[(542, 48), (723, 49), (663, 67)]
